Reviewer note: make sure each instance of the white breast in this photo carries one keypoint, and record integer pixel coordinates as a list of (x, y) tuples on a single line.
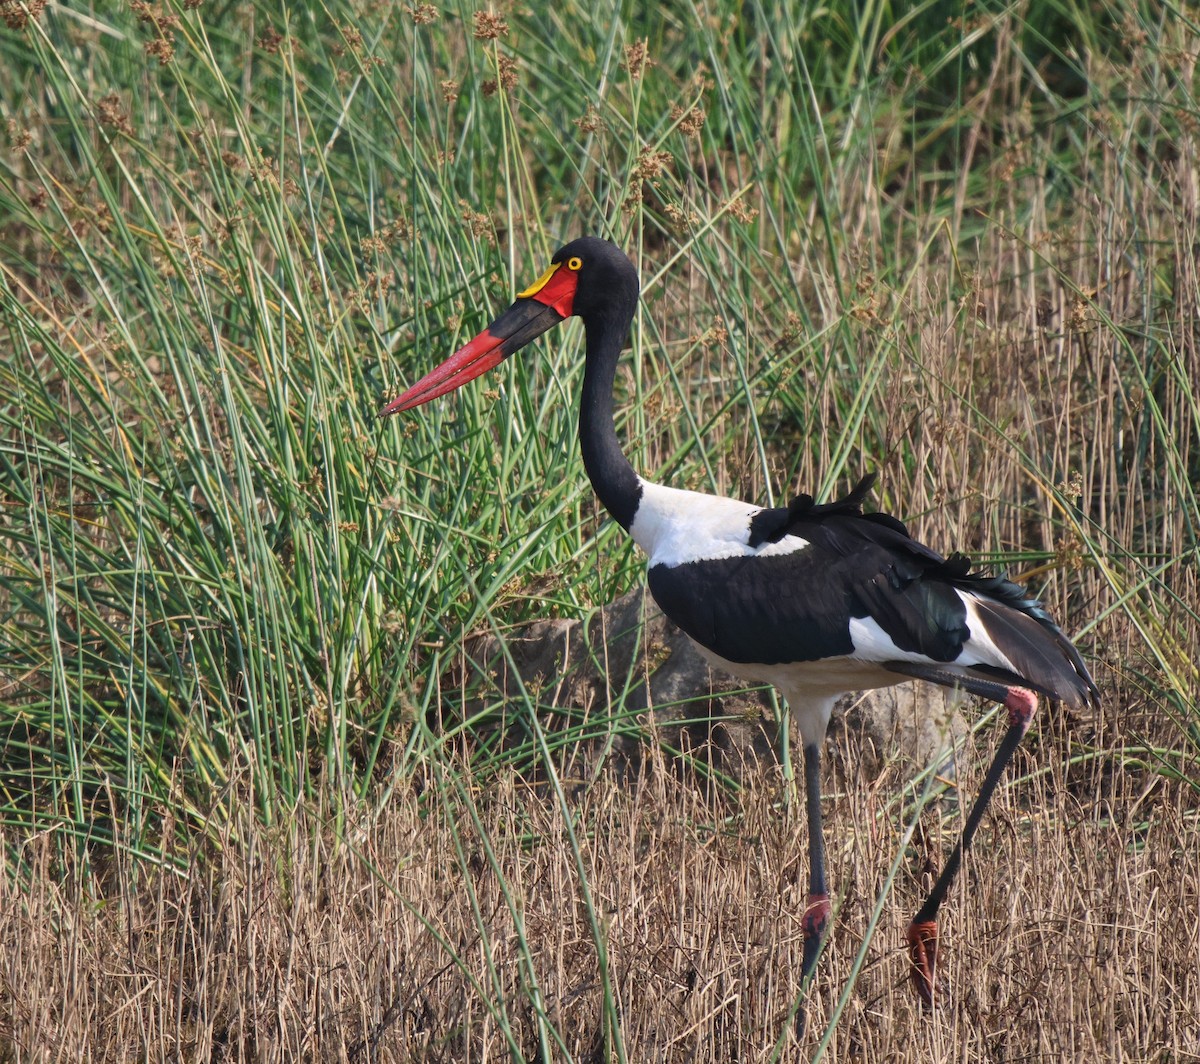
[(674, 527)]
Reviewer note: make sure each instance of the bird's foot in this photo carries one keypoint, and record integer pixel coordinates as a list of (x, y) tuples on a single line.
[(922, 955)]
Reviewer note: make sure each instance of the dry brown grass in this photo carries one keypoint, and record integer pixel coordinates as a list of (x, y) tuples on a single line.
[(1074, 933)]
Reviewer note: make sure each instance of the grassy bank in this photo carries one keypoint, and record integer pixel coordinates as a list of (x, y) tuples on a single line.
[(958, 249)]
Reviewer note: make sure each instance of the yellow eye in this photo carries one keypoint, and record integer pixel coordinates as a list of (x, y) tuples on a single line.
[(574, 262)]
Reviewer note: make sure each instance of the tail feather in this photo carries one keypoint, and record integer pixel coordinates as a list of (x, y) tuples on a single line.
[(1042, 657)]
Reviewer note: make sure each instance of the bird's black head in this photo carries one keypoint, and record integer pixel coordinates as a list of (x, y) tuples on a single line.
[(590, 277), (605, 280)]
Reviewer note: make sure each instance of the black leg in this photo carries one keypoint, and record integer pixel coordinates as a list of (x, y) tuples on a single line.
[(922, 932), (816, 910)]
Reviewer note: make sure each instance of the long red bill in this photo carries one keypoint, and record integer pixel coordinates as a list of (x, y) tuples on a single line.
[(517, 326)]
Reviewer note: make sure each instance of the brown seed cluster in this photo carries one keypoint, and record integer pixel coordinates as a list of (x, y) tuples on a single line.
[(372, 245), (112, 113), (590, 121), (690, 121), (398, 229), (423, 14), (679, 219), (489, 26), (18, 136), (507, 67), (650, 164), (16, 14), (479, 224), (637, 58), (1077, 315), (270, 41), (742, 211), (162, 49), (793, 329), (164, 23), (353, 38)]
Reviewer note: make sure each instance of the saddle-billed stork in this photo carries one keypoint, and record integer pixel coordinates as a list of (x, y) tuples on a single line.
[(817, 599)]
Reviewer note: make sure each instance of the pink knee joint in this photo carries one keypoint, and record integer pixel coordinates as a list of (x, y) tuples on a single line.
[(816, 915), (1021, 704)]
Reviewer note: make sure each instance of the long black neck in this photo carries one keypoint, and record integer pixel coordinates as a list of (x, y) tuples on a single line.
[(612, 477)]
